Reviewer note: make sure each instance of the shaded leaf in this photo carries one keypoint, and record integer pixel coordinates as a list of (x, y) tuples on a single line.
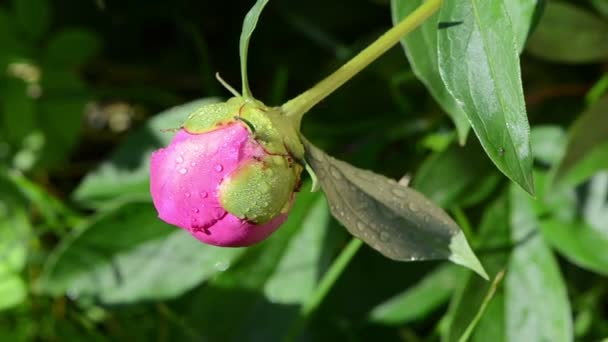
[(479, 64), (126, 172), (569, 34), (33, 16), (548, 143), (249, 24), (580, 243), (536, 302), (421, 299), (149, 260), (470, 179), (421, 50), (71, 48), (395, 220), (17, 111), (587, 150)]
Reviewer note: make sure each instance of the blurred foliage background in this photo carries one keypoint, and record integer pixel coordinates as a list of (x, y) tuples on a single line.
[(83, 256)]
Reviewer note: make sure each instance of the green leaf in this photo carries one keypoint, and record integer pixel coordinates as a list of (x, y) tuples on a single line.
[(17, 111), (493, 240), (127, 254), (126, 173), (587, 150), (479, 64), (421, 50), (521, 13), (579, 242), (14, 238), (249, 24), (71, 48), (569, 34), (537, 306), (595, 210), (33, 17), (421, 299), (548, 143), (470, 179), (295, 277), (395, 220)]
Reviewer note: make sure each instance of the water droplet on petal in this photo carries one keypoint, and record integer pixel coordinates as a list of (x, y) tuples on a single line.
[(179, 160), (204, 194), (218, 168), (187, 194), (183, 171), (193, 164), (195, 210)]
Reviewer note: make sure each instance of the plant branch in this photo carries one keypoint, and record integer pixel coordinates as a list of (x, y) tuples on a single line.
[(298, 106)]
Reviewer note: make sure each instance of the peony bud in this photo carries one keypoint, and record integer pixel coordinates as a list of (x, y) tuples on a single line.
[(229, 175)]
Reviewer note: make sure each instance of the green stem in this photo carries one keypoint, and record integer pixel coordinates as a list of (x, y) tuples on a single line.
[(327, 282), (298, 106)]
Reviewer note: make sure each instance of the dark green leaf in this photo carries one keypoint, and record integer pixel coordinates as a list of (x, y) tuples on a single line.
[(457, 176), (71, 48), (569, 34), (126, 173), (17, 111), (536, 302), (33, 17), (587, 150), (249, 24), (395, 220), (578, 242), (421, 299), (421, 51), (479, 64), (127, 254)]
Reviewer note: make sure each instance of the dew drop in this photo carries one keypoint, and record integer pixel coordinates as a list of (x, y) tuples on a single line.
[(193, 164), (183, 171), (187, 194), (179, 160), (221, 266), (361, 226), (413, 207), (204, 194), (335, 172), (195, 210), (218, 168), (384, 236)]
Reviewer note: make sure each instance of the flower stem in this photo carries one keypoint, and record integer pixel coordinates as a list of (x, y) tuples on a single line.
[(298, 106), (328, 280)]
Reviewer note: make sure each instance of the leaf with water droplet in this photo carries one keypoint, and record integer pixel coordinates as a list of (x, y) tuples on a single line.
[(397, 221)]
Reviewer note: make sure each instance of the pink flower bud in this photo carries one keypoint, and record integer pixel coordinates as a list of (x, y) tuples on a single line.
[(195, 180)]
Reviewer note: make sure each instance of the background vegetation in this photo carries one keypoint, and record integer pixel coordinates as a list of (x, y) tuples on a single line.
[(83, 256)]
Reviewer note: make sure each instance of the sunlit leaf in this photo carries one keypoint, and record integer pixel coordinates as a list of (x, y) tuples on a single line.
[(249, 24), (479, 64), (569, 34), (127, 254), (397, 221), (421, 50)]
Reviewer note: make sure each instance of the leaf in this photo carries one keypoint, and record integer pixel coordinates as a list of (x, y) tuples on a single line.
[(548, 143), (249, 24), (521, 13), (578, 242), (568, 34), (470, 179), (421, 50), (33, 17), (127, 254), (493, 240), (395, 220), (421, 299), (17, 111), (295, 277), (537, 307), (126, 173), (71, 48), (587, 150), (479, 64), (595, 205), (14, 237)]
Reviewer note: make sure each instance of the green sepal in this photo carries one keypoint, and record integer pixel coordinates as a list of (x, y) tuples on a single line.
[(260, 190)]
